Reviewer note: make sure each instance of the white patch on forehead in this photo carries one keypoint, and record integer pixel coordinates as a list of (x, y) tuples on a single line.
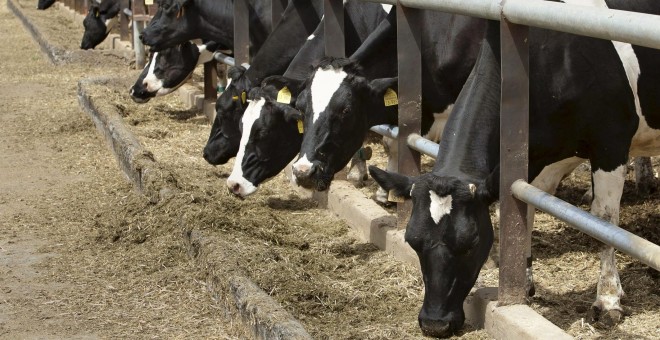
[(324, 86), (228, 83), (152, 83), (387, 7), (252, 113), (440, 206), (311, 37), (204, 55)]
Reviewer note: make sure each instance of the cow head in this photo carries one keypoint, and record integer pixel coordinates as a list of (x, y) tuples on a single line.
[(451, 232), (98, 23), (225, 133), (336, 102), (44, 4), (271, 135), (169, 69), (173, 23)]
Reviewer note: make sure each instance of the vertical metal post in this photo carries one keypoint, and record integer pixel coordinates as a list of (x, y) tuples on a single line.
[(333, 13), (139, 14), (124, 33), (514, 132), (276, 9), (409, 46), (210, 92), (241, 32)]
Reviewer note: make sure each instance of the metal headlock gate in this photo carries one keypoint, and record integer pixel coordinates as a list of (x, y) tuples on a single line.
[(515, 17)]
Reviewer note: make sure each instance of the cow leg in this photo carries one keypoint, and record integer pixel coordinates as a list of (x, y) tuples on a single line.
[(644, 176), (391, 147), (608, 188), (548, 181), (357, 171)]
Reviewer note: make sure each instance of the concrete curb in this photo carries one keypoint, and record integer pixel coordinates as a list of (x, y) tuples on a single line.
[(55, 55), (261, 316)]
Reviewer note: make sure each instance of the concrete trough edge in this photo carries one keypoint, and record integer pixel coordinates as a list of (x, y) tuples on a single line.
[(54, 54), (260, 314), (255, 306)]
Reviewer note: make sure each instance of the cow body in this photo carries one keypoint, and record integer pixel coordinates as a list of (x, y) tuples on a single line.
[(337, 118), (99, 21), (583, 105), (169, 69), (176, 22), (361, 19)]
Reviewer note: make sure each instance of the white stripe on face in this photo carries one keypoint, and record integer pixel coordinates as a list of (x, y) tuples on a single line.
[(440, 206), (311, 37), (387, 8), (152, 83), (252, 113), (324, 86)]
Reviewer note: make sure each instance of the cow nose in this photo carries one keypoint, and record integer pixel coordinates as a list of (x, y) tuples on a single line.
[(141, 37), (303, 170), (435, 328), (206, 154)]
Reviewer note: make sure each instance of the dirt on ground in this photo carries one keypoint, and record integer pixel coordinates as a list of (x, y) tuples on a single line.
[(83, 255)]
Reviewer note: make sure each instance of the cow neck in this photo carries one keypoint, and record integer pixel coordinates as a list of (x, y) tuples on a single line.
[(377, 54), (469, 148), (378, 113), (214, 20), (298, 22)]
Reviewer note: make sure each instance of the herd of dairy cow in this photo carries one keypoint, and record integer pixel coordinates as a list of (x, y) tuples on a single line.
[(590, 99)]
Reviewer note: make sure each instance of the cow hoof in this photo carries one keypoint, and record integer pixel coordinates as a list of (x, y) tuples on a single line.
[(604, 318)]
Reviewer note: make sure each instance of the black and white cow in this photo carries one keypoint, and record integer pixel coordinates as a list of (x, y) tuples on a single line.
[(341, 103), (100, 19), (589, 99), (45, 4), (178, 21), (270, 117), (169, 69), (361, 19), (298, 22)]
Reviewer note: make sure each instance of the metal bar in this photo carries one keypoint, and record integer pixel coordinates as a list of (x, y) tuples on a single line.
[(631, 244), (409, 58), (514, 131), (241, 31), (223, 58), (333, 18), (423, 145), (391, 131), (636, 28), (276, 9), (210, 91)]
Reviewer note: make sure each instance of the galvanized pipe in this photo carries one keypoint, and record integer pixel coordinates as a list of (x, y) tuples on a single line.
[(631, 244), (223, 58), (423, 145), (415, 141), (636, 28)]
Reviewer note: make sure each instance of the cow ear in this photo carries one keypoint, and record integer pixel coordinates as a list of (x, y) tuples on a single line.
[(291, 115), (235, 72), (489, 190), (399, 184), (379, 86)]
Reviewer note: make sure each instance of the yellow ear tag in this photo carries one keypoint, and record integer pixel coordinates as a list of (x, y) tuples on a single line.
[(300, 126), (97, 14), (243, 97), (234, 98), (284, 96), (391, 98), (392, 197)]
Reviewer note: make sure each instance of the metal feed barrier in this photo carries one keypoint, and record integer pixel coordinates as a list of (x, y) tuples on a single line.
[(515, 193)]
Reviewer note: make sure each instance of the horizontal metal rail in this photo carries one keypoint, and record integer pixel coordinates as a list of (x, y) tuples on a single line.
[(225, 59), (608, 233), (415, 141), (635, 28)]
